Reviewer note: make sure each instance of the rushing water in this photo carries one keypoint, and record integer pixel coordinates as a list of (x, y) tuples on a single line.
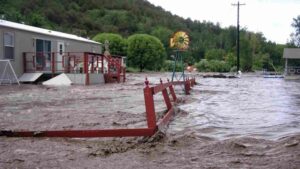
[(248, 106)]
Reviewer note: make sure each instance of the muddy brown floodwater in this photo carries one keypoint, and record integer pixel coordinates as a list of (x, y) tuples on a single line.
[(250, 122)]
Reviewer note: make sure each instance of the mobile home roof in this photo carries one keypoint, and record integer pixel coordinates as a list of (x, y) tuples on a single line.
[(19, 26), (291, 53)]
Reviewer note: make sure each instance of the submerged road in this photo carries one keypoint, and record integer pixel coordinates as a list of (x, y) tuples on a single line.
[(252, 106)]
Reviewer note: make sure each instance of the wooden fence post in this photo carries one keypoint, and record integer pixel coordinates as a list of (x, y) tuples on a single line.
[(166, 96), (149, 104), (172, 92)]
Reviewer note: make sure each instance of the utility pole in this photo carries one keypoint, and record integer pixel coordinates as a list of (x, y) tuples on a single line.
[(238, 34)]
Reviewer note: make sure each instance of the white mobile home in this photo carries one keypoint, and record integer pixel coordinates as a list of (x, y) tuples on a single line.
[(33, 49)]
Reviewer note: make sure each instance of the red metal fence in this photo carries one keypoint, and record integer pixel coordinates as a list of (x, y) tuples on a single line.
[(75, 62), (152, 124)]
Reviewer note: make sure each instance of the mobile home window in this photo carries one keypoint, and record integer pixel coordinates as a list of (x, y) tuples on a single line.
[(9, 45)]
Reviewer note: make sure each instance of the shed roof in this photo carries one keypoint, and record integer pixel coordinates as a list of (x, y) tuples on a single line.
[(24, 27), (291, 53)]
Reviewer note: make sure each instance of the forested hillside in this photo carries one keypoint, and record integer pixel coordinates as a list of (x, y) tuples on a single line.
[(87, 18)]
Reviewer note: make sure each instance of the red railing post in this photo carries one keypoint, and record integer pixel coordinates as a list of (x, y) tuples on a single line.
[(53, 64), (124, 74), (33, 61), (102, 64), (193, 82), (166, 96), (149, 104), (92, 71), (186, 87), (97, 66), (24, 62), (119, 71), (62, 62), (68, 63), (189, 84), (172, 91), (86, 68), (108, 69), (75, 62)]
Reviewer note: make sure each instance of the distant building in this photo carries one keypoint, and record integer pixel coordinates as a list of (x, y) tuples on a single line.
[(292, 71)]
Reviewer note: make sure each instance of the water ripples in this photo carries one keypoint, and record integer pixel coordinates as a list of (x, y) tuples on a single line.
[(248, 106)]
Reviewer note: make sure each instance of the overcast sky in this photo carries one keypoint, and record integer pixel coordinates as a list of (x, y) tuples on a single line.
[(271, 17)]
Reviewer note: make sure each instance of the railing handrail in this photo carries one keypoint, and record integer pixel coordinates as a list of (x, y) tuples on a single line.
[(36, 61)]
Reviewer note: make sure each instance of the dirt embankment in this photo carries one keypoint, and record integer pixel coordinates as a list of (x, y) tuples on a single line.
[(182, 150)]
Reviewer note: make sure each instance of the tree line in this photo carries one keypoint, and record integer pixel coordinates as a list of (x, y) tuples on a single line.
[(212, 48)]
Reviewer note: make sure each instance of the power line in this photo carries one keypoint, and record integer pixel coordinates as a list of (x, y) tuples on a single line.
[(238, 34)]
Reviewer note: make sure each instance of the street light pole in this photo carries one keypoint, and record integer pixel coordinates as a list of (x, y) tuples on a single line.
[(238, 35)]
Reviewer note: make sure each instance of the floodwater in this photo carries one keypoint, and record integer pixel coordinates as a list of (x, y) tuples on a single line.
[(249, 122), (252, 106)]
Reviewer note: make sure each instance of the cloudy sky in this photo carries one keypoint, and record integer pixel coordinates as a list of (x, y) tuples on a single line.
[(271, 17)]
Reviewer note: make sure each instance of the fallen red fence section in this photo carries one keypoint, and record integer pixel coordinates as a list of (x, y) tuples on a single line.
[(152, 125)]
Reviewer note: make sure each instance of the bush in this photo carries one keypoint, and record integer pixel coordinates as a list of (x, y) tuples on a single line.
[(131, 70), (212, 66), (230, 58), (215, 54), (203, 66), (145, 52), (233, 69), (117, 45), (169, 66)]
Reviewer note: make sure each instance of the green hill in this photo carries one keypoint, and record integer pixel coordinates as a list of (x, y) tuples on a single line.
[(126, 17)]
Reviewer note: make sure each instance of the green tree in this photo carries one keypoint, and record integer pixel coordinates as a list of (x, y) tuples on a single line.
[(163, 34), (245, 55), (296, 35), (215, 54), (117, 45), (230, 58), (145, 52), (212, 66), (38, 20)]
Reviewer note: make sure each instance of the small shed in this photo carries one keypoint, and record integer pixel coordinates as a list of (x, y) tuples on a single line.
[(292, 55)]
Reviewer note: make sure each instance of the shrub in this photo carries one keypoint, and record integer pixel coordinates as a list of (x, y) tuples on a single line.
[(145, 52), (203, 66), (117, 45), (131, 69), (169, 66), (215, 54), (212, 66)]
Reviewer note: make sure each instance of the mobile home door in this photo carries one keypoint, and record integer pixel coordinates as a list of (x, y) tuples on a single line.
[(43, 55)]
